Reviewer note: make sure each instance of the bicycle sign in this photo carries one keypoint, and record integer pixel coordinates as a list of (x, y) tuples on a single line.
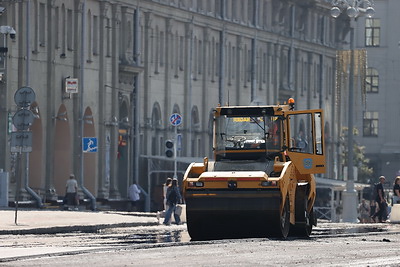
[(175, 119)]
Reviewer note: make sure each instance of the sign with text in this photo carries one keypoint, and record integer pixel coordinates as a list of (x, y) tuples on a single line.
[(21, 142), (71, 85)]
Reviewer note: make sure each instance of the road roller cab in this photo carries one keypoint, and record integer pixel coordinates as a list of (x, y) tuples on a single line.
[(261, 181)]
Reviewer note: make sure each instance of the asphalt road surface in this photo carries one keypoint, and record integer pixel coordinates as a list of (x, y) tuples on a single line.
[(331, 244)]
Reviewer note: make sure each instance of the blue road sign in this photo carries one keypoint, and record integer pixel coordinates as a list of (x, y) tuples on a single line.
[(89, 144), (175, 119)]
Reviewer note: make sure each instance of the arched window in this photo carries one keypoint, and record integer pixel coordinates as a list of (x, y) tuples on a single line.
[(156, 117), (155, 124), (176, 109), (195, 119)]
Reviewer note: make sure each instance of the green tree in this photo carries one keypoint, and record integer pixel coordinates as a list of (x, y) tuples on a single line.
[(365, 172)]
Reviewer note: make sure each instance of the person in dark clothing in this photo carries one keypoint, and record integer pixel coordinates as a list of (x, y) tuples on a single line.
[(396, 191), (380, 199), (173, 197)]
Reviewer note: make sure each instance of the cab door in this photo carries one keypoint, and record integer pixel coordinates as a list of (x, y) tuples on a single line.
[(305, 140)]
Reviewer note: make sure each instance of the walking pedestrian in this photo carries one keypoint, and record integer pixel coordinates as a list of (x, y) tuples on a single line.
[(165, 188), (396, 190), (173, 198), (380, 199), (134, 196), (71, 191)]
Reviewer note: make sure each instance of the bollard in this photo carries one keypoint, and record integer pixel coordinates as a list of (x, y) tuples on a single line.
[(3, 189), (395, 214)]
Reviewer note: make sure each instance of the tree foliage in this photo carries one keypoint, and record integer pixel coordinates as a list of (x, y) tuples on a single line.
[(365, 172)]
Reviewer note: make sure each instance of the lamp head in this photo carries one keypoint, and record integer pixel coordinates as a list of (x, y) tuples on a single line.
[(12, 33), (370, 12), (335, 12), (352, 12)]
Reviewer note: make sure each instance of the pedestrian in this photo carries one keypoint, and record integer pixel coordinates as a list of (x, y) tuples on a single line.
[(165, 188), (134, 196), (173, 198), (396, 190), (380, 199), (71, 190), (364, 210)]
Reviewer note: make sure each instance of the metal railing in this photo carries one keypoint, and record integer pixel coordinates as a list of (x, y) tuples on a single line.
[(323, 213)]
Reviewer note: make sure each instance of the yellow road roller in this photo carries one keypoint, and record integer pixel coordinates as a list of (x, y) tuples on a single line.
[(261, 181)]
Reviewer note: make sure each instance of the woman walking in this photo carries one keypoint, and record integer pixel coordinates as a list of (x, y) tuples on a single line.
[(173, 198)]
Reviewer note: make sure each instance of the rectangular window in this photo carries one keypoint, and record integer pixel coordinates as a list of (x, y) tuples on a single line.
[(301, 136), (318, 133), (372, 81), (195, 55), (182, 49), (173, 42), (95, 35), (370, 123), (156, 57), (70, 27), (306, 140), (200, 57), (89, 34), (162, 47), (42, 24), (57, 29), (63, 31), (108, 34), (249, 66), (264, 68), (218, 9), (233, 67), (372, 32), (217, 59)]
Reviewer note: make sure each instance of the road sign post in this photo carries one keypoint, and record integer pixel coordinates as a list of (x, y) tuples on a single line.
[(176, 120), (21, 140)]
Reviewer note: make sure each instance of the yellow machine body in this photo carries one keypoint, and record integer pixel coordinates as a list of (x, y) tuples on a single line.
[(261, 180)]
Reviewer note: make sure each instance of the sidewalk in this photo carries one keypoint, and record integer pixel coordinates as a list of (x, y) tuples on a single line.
[(57, 221)]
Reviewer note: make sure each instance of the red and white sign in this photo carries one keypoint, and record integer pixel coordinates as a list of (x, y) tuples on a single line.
[(71, 85)]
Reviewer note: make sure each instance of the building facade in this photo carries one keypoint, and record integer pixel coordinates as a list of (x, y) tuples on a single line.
[(116, 71), (377, 119)]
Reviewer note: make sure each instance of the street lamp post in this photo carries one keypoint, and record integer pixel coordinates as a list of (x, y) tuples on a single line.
[(6, 31), (352, 9)]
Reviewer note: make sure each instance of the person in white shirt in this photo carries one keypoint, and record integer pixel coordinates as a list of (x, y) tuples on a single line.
[(71, 191), (134, 195)]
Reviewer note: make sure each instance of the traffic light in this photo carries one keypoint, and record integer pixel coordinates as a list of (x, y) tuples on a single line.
[(169, 148)]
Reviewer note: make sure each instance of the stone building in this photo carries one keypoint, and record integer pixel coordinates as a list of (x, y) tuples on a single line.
[(377, 119), (117, 69)]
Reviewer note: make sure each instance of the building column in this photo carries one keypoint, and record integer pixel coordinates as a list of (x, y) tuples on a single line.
[(188, 79), (147, 91), (116, 21), (204, 118), (49, 133), (276, 74), (104, 116), (239, 69), (167, 71)]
